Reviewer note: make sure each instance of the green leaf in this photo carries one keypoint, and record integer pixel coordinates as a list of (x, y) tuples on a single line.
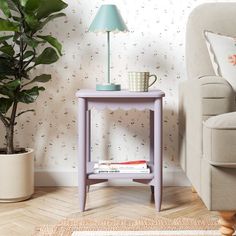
[(8, 49), (5, 104), (23, 2), (28, 54), (30, 41), (5, 8), (48, 56), (6, 25), (30, 95), (52, 17), (48, 7), (6, 92), (9, 88), (4, 38), (53, 41), (41, 78), (13, 85), (32, 21), (5, 67), (32, 5)]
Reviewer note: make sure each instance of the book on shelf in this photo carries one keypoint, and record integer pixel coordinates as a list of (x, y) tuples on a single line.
[(124, 171), (139, 166)]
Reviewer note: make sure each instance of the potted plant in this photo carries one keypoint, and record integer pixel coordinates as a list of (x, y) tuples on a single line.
[(22, 48)]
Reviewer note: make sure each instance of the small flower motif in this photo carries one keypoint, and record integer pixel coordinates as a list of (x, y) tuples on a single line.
[(232, 59)]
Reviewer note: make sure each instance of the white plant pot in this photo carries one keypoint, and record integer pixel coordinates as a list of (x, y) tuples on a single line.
[(16, 176)]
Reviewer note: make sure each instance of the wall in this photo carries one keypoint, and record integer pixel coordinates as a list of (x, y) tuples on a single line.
[(155, 43)]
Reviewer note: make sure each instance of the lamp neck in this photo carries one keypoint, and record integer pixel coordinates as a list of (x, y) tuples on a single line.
[(108, 57)]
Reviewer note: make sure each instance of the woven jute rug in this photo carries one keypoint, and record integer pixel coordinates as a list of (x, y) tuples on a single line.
[(160, 225)]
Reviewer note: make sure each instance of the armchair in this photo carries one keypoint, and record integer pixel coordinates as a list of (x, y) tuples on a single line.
[(207, 117)]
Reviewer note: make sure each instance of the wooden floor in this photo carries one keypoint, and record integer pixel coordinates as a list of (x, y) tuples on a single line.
[(52, 204)]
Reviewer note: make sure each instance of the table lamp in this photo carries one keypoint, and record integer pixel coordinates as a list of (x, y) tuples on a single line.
[(108, 19)]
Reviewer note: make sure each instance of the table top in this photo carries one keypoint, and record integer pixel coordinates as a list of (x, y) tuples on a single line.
[(91, 93)]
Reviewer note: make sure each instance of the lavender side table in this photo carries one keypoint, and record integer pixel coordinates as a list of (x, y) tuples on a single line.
[(152, 100)]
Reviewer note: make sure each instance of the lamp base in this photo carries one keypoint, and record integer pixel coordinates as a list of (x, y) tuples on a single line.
[(108, 87)]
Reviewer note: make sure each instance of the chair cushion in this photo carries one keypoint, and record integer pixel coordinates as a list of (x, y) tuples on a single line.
[(222, 49), (219, 140), (224, 121)]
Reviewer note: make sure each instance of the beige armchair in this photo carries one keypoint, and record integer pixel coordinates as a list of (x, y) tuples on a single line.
[(207, 116)]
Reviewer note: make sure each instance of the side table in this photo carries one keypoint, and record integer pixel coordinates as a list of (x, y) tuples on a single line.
[(88, 99)]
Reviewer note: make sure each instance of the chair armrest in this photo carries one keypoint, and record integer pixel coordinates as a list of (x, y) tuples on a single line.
[(199, 100), (208, 96), (219, 140)]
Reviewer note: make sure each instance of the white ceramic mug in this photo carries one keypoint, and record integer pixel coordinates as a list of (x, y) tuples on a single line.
[(139, 81)]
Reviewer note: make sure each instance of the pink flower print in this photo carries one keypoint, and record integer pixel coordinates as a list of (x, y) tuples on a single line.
[(232, 59)]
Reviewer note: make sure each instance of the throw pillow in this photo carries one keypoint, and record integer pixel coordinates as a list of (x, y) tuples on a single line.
[(222, 51)]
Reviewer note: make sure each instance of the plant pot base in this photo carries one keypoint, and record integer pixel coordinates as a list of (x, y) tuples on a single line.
[(20, 199), (16, 176)]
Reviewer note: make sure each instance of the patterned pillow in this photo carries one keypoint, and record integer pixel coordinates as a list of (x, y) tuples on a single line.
[(222, 51)]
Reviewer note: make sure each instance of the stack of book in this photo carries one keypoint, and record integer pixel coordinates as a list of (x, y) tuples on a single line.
[(129, 167)]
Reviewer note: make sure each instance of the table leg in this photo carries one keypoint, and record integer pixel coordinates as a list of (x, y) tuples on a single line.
[(82, 153), (88, 130), (158, 153), (151, 134), (88, 125), (151, 140)]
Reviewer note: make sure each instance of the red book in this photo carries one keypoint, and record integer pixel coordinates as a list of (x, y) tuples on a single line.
[(138, 164)]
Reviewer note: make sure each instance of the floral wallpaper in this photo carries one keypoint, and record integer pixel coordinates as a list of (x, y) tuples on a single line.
[(155, 43)]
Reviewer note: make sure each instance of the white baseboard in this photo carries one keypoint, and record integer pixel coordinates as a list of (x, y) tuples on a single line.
[(174, 177)]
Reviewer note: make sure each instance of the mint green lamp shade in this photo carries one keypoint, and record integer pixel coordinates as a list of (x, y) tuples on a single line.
[(108, 19)]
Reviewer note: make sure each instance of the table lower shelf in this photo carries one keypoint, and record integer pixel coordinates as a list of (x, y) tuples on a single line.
[(92, 175)]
